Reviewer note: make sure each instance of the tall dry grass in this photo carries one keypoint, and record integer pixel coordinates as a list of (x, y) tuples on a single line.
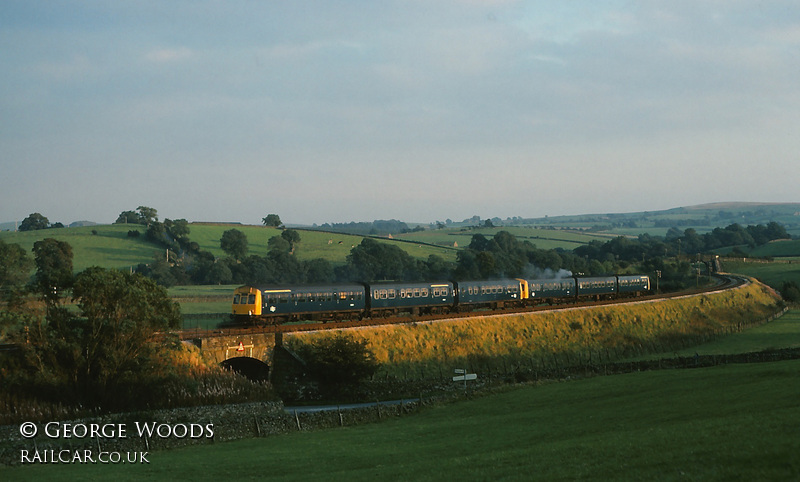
[(558, 338)]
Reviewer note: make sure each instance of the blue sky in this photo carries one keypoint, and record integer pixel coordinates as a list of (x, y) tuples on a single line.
[(343, 111)]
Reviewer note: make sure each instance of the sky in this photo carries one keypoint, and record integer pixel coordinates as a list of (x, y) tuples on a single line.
[(339, 111)]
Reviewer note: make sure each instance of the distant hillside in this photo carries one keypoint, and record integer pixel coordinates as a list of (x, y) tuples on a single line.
[(12, 226), (703, 218)]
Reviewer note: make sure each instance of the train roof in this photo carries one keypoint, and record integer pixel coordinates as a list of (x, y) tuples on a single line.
[(409, 284), (310, 288)]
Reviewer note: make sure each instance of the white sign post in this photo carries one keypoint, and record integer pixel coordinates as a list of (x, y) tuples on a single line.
[(464, 376)]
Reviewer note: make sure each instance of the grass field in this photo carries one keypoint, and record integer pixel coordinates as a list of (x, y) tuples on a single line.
[(772, 273), (542, 238), (783, 332), (735, 422), (111, 247)]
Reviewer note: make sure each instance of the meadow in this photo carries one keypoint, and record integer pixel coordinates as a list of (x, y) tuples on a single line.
[(109, 246), (541, 238), (731, 422), (773, 273)]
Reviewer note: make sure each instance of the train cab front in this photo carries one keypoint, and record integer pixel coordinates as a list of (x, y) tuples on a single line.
[(246, 303)]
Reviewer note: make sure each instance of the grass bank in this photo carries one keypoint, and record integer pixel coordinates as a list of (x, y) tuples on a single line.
[(542, 341)]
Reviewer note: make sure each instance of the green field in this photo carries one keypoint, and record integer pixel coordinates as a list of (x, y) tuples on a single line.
[(541, 238), (772, 273), (783, 332), (736, 422), (111, 247), (730, 422)]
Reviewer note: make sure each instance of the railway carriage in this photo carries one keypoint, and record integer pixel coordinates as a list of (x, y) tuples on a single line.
[(550, 291), (283, 304), (633, 285), (596, 288), (492, 294), (391, 298)]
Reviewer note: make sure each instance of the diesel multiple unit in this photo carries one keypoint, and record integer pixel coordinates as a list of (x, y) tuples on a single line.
[(281, 304)]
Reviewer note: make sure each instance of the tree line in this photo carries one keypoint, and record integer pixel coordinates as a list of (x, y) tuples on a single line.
[(498, 256)]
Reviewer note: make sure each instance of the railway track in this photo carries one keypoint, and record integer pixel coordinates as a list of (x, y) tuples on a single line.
[(724, 282)]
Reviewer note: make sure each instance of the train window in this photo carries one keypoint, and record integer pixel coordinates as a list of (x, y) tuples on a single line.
[(392, 294), (251, 300), (235, 299), (425, 292)]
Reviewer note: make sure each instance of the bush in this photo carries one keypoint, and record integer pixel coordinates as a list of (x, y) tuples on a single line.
[(339, 363), (791, 292)]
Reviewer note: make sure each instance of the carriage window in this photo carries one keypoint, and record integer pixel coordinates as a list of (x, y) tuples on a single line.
[(425, 292), (235, 299), (251, 300)]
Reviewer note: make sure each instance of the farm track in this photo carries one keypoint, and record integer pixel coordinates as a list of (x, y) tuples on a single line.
[(724, 282)]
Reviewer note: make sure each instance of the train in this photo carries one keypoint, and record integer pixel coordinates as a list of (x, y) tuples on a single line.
[(283, 304)]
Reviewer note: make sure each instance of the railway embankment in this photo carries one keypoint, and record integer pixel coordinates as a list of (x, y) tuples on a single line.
[(523, 345)]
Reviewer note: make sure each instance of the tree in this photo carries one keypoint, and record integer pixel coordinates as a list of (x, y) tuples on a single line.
[(147, 215), (111, 341), (234, 242), (15, 267), (278, 244), (53, 276), (179, 228), (34, 222), (293, 237), (372, 260), (127, 217), (272, 220), (218, 273), (319, 270), (791, 291)]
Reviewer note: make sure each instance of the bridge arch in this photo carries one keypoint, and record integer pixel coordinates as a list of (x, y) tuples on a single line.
[(252, 368)]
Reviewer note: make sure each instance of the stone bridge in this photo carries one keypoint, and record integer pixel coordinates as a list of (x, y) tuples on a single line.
[(250, 354)]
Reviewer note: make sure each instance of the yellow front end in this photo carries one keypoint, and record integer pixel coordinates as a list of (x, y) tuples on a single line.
[(246, 301), (524, 290)]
